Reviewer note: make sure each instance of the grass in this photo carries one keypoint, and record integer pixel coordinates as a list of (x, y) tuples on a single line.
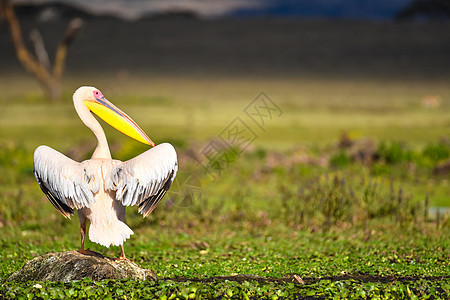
[(296, 201)]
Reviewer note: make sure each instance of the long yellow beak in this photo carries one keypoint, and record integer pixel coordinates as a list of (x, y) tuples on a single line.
[(112, 115)]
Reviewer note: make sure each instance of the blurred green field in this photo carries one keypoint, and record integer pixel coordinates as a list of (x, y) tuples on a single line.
[(316, 112), (293, 202)]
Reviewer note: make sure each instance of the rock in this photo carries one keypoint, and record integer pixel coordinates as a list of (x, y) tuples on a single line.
[(345, 141), (363, 151), (359, 150), (71, 265), (442, 168)]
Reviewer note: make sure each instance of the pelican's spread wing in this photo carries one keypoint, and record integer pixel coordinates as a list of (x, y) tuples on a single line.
[(145, 179), (66, 183)]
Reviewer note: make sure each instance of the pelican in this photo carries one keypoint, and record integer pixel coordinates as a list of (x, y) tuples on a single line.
[(100, 188)]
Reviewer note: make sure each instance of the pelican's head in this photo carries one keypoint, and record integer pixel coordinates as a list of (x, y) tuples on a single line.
[(94, 100)]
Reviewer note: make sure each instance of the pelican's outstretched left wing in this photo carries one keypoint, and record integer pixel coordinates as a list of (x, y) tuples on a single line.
[(66, 183), (145, 179)]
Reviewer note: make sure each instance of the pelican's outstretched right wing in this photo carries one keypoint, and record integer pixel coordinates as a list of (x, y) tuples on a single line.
[(145, 179), (66, 183)]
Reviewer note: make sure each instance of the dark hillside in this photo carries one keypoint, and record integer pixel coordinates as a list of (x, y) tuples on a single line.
[(262, 47)]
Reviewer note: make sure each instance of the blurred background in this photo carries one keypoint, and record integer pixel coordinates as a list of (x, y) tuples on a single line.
[(361, 91), (313, 137), (341, 39)]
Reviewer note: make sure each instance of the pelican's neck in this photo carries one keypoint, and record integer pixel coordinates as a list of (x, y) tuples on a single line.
[(102, 149)]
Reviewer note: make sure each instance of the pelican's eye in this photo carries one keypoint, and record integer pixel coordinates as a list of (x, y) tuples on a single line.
[(98, 95)]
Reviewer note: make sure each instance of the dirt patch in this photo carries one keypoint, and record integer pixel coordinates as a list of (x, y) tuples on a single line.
[(292, 278)]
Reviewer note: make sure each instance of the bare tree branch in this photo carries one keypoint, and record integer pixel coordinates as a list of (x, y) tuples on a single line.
[(39, 48), (73, 29), (39, 66), (28, 61)]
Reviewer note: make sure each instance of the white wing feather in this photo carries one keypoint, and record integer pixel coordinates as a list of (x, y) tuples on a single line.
[(66, 183), (145, 179)]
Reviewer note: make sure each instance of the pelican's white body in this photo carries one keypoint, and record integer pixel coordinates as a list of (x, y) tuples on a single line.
[(106, 215)]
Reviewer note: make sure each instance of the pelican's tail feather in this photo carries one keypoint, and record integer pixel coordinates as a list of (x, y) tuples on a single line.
[(114, 234)]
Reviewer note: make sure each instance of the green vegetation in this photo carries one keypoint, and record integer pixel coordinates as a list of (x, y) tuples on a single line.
[(346, 189)]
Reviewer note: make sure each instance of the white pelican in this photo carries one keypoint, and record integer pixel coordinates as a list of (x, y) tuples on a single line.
[(100, 188)]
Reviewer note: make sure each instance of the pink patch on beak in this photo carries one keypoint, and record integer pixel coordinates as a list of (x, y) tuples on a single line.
[(98, 95)]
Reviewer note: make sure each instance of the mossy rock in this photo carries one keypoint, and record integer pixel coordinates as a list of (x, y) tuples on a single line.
[(71, 265)]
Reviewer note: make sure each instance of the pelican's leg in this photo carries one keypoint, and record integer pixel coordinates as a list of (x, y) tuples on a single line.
[(120, 209), (83, 234), (122, 253)]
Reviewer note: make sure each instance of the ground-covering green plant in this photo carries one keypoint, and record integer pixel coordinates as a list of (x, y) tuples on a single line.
[(345, 233)]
